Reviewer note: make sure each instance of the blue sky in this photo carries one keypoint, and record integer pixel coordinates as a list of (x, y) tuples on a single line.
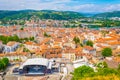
[(64, 5)]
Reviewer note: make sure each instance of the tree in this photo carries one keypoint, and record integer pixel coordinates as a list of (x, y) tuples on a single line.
[(80, 25), (102, 65), (31, 38), (81, 45), (1, 65), (46, 35), (105, 64), (6, 61), (26, 50), (107, 52), (16, 38), (103, 32), (118, 67), (21, 28), (89, 43), (107, 71), (76, 40), (83, 71)]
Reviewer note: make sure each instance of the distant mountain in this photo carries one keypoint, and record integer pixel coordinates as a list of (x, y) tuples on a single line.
[(108, 14), (42, 14)]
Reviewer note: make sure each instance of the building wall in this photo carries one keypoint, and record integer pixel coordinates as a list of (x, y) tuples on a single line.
[(70, 56)]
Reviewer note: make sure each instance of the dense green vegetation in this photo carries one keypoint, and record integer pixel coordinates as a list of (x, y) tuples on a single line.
[(81, 72), (20, 16), (89, 43), (4, 63), (106, 52), (74, 19), (109, 23), (6, 39), (108, 14), (87, 73)]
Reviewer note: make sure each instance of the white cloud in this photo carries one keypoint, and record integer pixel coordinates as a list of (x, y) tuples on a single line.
[(97, 8), (112, 7), (56, 5)]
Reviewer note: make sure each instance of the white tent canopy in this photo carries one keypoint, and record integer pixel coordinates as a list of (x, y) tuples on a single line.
[(35, 61)]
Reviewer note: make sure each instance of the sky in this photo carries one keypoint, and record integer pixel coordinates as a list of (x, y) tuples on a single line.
[(62, 5)]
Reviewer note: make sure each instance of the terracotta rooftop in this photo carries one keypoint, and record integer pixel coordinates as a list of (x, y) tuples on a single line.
[(88, 48)]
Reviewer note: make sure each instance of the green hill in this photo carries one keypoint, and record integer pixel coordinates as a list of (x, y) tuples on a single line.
[(108, 14), (42, 14)]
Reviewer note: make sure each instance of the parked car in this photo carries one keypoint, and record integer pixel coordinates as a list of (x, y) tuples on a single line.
[(16, 70)]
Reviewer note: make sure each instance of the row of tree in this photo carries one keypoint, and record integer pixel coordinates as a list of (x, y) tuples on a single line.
[(4, 63), (6, 39)]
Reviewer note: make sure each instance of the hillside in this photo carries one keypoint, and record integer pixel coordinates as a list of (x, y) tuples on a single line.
[(42, 14), (108, 14)]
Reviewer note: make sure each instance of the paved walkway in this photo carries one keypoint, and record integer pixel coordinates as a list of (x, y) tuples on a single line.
[(70, 68), (10, 77), (55, 77), (33, 78)]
